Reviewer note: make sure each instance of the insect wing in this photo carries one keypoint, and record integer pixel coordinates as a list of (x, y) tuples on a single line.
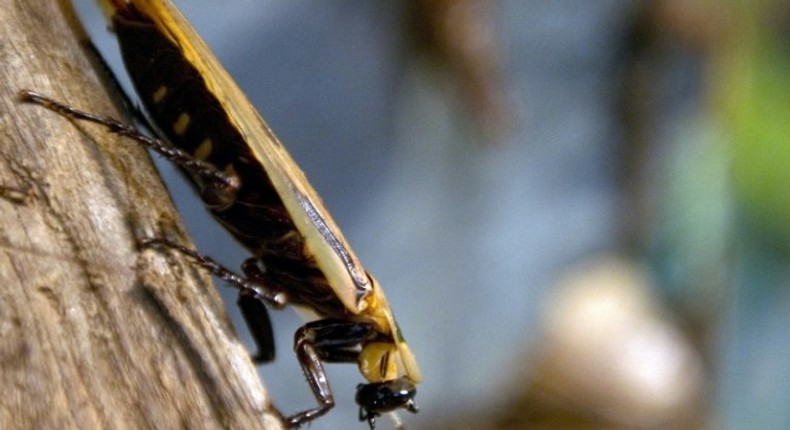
[(323, 238)]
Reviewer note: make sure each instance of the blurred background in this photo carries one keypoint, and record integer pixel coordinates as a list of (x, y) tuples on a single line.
[(578, 210)]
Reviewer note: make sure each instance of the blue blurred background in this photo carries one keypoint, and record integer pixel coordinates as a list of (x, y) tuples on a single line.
[(578, 210)]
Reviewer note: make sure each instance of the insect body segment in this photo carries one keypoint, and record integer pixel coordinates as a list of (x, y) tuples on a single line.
[(254, 188)]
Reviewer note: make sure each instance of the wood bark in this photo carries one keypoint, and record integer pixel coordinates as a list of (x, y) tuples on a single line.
[(95, 332)]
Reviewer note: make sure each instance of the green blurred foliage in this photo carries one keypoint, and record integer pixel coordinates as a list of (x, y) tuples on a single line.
[(758, 118)]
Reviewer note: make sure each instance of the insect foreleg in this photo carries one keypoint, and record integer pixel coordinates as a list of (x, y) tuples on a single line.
[(330, 340)]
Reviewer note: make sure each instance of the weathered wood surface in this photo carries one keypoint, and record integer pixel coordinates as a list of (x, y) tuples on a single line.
[(95, 333)]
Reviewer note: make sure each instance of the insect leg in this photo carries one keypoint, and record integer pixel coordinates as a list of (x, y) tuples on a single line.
[(256, 316), (330, 340), (255, 313), (246, 286), (251, 297), (220, 189)]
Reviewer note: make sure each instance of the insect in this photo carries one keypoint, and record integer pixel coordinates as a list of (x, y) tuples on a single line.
[(255, 190)]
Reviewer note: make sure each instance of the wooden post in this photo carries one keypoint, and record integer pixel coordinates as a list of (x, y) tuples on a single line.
[(94, 332)]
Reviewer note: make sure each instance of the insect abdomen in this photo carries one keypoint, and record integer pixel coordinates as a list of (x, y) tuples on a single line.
[(178, 101), (174, 93)]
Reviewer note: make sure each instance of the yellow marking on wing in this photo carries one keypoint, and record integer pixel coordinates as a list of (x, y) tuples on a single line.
[(182, 124), (204, 150), (159, 94)]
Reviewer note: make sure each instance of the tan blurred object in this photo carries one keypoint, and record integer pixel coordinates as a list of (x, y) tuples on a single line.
[(609, 358), (460, 35)]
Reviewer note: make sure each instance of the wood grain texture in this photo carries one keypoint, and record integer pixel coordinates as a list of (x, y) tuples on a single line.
[(95, 333)]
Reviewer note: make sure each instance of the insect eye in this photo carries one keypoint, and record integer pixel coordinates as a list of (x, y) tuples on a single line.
[(377, 398)]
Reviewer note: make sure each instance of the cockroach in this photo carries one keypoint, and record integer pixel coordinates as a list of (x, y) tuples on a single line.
[(252, 186)]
